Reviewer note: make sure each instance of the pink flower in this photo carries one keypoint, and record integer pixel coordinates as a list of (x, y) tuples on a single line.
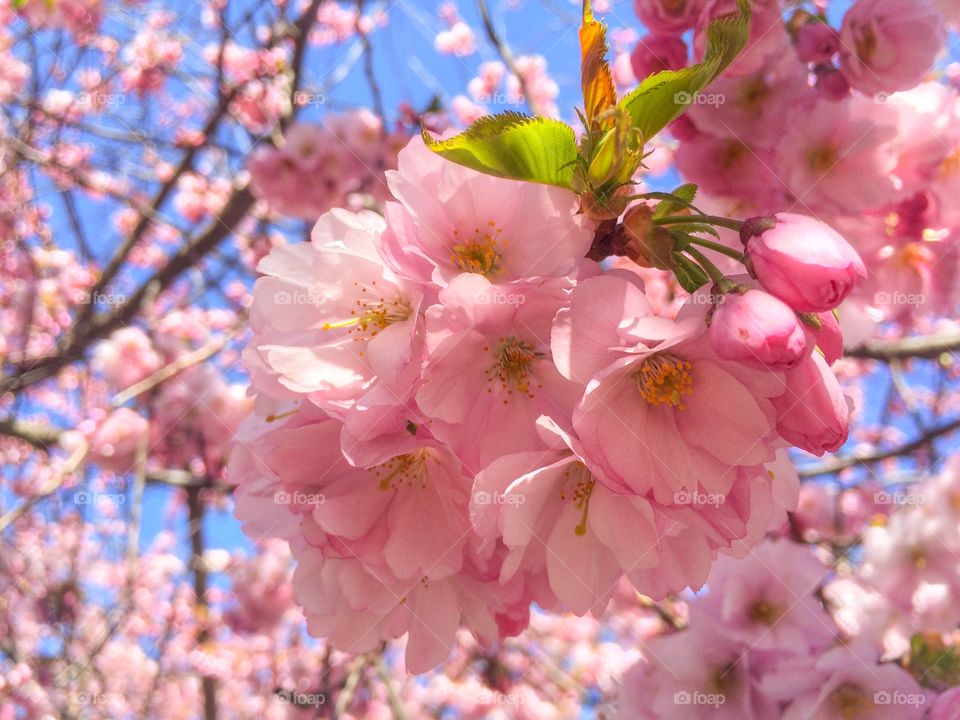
[(813, 413), (698, 663), (757, 329), (888, 45), (947, 705), (839, 156), (487, 373), (655, 53), (758, 602), (328, 317), (451, 220), (457, 40), (853, 684), (668, 16), (817, 42), (660, 412), (747, 106), (116, 442), (126, 357), (805, 263)]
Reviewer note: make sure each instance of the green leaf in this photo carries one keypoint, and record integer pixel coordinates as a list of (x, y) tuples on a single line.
[(932, 662), (515, 146), (690, 275), (599, 94), (662, 97), (679, 199)]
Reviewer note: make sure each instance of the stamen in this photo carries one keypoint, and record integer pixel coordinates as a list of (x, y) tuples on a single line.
[(851, 701), (513, 363), (372, 315), (665, 380), (408, 469), (479, 254), (583, 482)]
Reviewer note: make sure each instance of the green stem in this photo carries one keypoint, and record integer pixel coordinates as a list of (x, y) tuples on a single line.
[(718, 247), (712, 270), (708, 219)]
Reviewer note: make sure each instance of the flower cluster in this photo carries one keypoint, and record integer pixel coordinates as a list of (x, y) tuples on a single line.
[(333, 164), (459, 414), (787, 633), (870, 148)]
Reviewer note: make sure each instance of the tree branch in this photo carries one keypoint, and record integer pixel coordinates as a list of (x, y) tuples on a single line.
[(842, 463), (929, 348)]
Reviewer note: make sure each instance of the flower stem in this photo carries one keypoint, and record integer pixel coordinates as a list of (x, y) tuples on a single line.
[(712, 270), (707, 219)]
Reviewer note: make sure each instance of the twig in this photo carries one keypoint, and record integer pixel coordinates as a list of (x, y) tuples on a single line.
[(842, 463), (169, 370), (929, 348), (368, 65), (393, 699), (73, 462), (504, 53)]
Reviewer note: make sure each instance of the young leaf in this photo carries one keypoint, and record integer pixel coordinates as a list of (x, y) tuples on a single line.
[(679, 199), (662, 97), (515, 146), (598, 91)]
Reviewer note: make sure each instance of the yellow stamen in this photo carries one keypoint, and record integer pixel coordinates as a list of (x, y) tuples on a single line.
[(582, 481), (665, 380), (513, 363), (409, 470), (822, 159), (372, 315), (866, 44), (764, 612), (851, 701), (479, 254)]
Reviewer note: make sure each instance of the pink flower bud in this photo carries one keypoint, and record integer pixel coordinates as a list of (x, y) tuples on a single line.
[(830, 83), (813, 413), (756, 329), (829, 338), (805, 263), (817, 42)]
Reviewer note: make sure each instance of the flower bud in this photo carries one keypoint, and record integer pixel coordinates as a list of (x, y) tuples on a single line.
[(817, 42), (756, 329), (829, 337), (805, 263), (813, 413)]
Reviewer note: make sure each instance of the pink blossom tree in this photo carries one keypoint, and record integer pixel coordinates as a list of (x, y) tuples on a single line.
[(628, 398)]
